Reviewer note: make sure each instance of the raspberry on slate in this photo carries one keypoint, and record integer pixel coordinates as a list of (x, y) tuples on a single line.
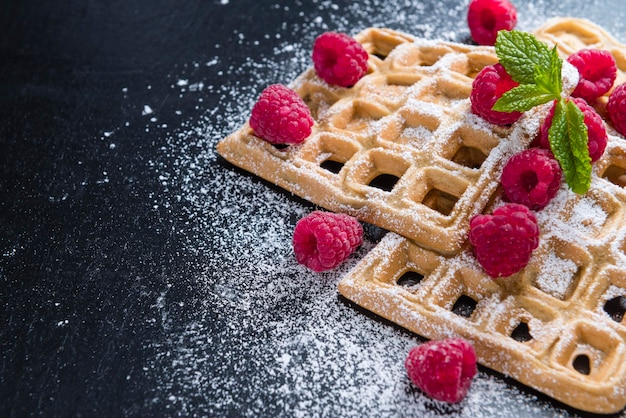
[(280, 116), (532, 178), (597, 71), (488, 86), (486, 17), (339, 59), (324, 240), (597, 136), (616, 108), (442, 369), (504, 241)]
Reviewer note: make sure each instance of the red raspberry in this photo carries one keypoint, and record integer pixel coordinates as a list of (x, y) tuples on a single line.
[(280, 116), (323, 240), (442, 369), (503, 242), (532, 178), (488, 86), (597, 136), (597, 71), (486, 17), (616, 108), (339, 59)]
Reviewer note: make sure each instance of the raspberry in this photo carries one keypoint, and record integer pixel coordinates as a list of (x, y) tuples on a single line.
[(616, 108), (280, 116), (339, 59), (323, 240), (597, 136), (442, 369), (486, 17), (503, 242), (597, 71), (488, 86), (532, 178)]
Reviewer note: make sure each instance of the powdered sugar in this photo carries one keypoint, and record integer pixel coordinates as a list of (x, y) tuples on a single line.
[(256, 334), (588, 215), (556, 276)]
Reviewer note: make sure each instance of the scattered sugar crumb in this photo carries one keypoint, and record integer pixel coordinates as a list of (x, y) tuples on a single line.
[(556, 276), (588, 215)]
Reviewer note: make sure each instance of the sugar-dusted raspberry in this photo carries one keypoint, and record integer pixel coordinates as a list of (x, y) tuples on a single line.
[(339, 59), (504, 241), (488, 86), (280, 116), (442, 369), (323, 240), (616, 108), (596, 131), (597, 71), (486, 17), (532, 178)]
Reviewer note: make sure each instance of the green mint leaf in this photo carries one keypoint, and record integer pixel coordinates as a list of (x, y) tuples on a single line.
[(537, 69), (568, 141), (523, 97), (522, 55), (550, 80), (546, 86), (556, 67)]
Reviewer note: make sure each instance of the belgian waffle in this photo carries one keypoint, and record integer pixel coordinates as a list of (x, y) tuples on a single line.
[(399, 149), (402, 150)]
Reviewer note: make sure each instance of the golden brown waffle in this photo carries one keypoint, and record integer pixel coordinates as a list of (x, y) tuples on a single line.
[(556, 326), (409, 120)]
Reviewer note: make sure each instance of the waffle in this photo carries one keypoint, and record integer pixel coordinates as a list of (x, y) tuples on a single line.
[(402, 150)]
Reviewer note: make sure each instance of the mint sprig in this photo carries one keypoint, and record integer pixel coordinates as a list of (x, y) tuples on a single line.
[(537, 69), (522, 98), (568, 139), (520, 53)]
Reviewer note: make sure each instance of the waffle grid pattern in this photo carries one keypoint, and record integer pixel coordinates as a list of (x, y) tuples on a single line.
[(557, 326), (400, 149)]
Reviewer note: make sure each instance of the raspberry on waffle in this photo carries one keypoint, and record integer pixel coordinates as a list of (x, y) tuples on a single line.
[(597, 71), (280, 116), (616, 108), (597, 136)]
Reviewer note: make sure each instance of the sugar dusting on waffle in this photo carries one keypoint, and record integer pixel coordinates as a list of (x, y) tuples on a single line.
[(543, 326)]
